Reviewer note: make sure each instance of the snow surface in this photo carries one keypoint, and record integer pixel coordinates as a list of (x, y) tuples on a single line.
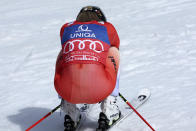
[(158, 51)]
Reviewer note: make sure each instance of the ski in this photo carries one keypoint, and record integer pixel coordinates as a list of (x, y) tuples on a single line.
[(136, 102)]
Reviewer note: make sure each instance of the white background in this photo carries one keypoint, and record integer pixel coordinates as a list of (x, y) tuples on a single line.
[(158, 51)]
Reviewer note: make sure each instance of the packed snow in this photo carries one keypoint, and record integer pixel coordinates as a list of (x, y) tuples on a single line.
[(158, 52)]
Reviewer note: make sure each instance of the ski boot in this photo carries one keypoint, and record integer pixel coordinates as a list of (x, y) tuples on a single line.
[(110, 113), (69, 124), (72, 117)]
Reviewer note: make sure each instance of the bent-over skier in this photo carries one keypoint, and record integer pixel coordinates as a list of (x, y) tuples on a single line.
[(87, 67)]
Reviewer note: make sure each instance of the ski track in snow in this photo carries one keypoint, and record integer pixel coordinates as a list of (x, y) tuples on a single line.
[(158, 52)]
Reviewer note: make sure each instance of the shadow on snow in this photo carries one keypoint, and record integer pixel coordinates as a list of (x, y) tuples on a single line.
[(28, 116)]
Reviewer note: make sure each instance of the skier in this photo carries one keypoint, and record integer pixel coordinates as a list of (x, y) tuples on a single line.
[(87, 67)]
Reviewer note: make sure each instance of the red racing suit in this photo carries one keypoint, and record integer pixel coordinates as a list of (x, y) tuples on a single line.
[(80, 75)]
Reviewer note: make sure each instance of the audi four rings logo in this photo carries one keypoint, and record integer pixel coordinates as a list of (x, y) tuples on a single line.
[(69, 46), (83, 28)]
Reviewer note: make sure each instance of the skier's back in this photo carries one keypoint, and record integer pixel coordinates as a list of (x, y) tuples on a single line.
[(87, 65)]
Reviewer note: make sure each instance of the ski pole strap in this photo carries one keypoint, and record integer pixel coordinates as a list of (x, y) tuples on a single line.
[(43, 118), (129, 104)]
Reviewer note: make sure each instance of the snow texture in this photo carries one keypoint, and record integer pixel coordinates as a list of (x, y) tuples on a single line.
[(158, 51)]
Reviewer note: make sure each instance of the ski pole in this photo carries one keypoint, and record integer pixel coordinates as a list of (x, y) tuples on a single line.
[(128, 103), (43, 118)]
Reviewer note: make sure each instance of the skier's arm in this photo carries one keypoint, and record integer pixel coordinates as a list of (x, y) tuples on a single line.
[(113, 36), (62, 30), (59, 57)]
